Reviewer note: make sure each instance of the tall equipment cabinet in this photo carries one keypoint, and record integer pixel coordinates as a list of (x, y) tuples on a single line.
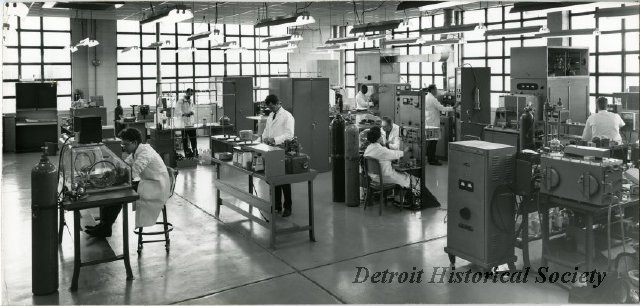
[(308, 101), (237, 101), (555, 74)]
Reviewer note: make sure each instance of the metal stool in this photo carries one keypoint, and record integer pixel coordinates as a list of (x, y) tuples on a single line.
[(168, 227)]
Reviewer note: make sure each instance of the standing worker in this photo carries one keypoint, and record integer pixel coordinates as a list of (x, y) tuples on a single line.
[(391, 136), (280, 127), (432, 119), (362, 100), (187, 119), (603, 124)]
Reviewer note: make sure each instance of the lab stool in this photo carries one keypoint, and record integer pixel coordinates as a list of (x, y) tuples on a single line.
[(167, 227)]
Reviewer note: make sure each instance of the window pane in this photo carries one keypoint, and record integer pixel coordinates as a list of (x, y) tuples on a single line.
[(128, 86), (495, 65), (248, 56), (149, 71), (611, 63), (9, 89), (30, 56), (508, 44), (414, 68), (31, 72), (632, 41), (632, 22), (610, 84), (127, 100), (247, 69), (132, 56), (247, 42), (168, 71), (56, 23), (184, 28), (278, 56), (217, 70), (30, 38), (217, 56), (496, 83), (57, 56), (149, 56), (57, 71), (610, 25), (128, 40), (495, 14), (64, 88), (57, 39), (507, 66), (233, 69), (31, 23), (535, 42), (475, 16), (610, 42), (495, 48), (146, 40), (234, 57), (9, 72), (149, 85), (234, 29), (202, 70), (583, 22), (128, 71), (414, 81), (631, 63), (631, 81), (427, 68), (185, 70), (474, 50), (9, 55)]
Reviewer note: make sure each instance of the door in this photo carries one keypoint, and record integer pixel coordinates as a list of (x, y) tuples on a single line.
[(302, 113)]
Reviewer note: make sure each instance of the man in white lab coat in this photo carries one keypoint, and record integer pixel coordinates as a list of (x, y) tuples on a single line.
[(187, 114), (153, 188), (391, 135), (433, 108), (280, 127), (603, 124), (362, 100)]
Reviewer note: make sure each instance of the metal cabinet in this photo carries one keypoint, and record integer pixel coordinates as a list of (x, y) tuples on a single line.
[(308, 101), (574, 94), (237, 101)]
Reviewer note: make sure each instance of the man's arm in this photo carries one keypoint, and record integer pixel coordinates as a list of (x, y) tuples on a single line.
[(394, 143), (586, 134), (620, 122)]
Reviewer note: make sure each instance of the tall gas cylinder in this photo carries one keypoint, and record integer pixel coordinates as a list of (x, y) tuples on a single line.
[(337, 158), (352, 164), (44, 228), (526, 130)]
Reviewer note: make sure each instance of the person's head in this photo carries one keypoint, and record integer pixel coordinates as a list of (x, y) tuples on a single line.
[(188, 93), (364, 89), (131, 138), (601, 103), (272, 102), (374, 135), (387, 124), (118, 102), (433, 89)]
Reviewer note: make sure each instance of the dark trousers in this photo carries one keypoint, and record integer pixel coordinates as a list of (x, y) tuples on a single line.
[(190, 135), (109, 214), (287, 197), (431, 150)]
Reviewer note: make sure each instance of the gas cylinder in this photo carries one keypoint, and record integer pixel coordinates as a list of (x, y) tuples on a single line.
[(337, 158), (352, 164), (44, 228), (526, 130)]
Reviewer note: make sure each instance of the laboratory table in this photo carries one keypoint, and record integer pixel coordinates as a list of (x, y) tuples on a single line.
[(589, 211), (265, 206), (118, 197)]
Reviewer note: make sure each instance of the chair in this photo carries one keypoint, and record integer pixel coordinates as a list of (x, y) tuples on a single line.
[(372, 165), (168, 227)]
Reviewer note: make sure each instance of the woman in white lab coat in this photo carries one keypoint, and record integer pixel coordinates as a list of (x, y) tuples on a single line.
[(153, 187), (385, 156)]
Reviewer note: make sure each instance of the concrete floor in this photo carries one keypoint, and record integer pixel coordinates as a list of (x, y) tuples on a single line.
[(227, 260)]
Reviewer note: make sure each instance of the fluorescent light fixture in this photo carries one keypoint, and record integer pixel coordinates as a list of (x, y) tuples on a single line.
[(131, 48), (375, 37), (543, 7), (169, 16), (296, 37), (287, 45), (185, 49), (513, 32), (450, 29), (48, 5), (71, 49), (118, 5), (18, 9), (618, 12), (376, 26), (443, 5), (215, 34), (235, 50), (161, 44), (342, 40), (92, 43), (403, 41), (84, 42), (443, 42), (299, 19), (225, 45), (568, 33), (277, 38)]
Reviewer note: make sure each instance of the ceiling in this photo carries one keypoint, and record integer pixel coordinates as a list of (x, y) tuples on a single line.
[(248, 12)]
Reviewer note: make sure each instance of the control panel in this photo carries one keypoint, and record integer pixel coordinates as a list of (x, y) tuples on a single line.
[(409, 115)]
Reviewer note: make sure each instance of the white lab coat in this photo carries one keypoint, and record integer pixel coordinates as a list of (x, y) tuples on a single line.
[(432, 109), (280, 129), (603, 124), (385, 156), (362, 101), (154, 188), (186, 108), (393, 138)]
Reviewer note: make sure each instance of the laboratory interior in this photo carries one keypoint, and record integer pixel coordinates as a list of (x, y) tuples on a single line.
[(352, 152)]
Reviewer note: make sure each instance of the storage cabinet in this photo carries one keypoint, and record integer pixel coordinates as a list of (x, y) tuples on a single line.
[(308, 101), (237, 101)]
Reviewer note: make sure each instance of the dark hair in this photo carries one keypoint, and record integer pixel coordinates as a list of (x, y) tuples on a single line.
[(374, 134), (189, 90), (364, 89), (387, 120), (130, 134), (431, 88), (602, 103), (271, 99)]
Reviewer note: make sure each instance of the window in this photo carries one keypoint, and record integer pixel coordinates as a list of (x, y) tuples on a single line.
[(35, 50)]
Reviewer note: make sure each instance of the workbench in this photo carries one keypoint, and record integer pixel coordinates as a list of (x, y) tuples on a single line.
[(267, 207), (117, 197), (590, 212)]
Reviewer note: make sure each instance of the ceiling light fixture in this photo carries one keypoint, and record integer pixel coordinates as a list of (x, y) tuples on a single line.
[(235, 50), (48, 5), (303, 19), (88, 42), (403, 41), (342, 40), (299, 19), (452, 29), (215, 34), (375, 37), (83, 5), (537, 8), (376, 26), (328, 47), (71, 49), (185, 49), (171, 16), (618, 12), (160, 44), (131, 48), (568, 33), (18, 9), (225, 45), (513, 32), (442, 5), (449, 41), (288, 45)]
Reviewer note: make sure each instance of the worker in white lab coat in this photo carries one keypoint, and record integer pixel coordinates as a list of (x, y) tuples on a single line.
[(187, 116), (154, 187), (362, 100), (432, 109), (280, 127), (603, 124), (391, 135)]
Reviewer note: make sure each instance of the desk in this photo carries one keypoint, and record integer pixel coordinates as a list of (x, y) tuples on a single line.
[(264, 206), (118, 197), (587, 210)]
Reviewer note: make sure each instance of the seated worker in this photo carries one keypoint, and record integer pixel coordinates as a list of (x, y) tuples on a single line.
[(187, 119), (603, 124), (362, 100), (376, 150), (391, 136), (154, 186)]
